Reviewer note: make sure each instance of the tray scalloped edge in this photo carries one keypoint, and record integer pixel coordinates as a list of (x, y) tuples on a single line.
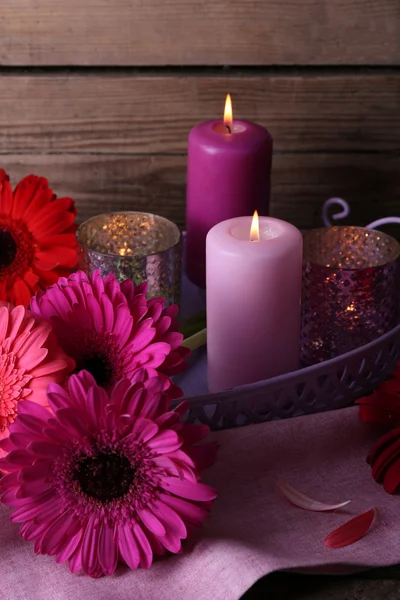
[(329, 385)]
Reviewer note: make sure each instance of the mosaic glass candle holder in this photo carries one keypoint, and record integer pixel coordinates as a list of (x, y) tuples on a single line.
[(351, 289), (137, 246)]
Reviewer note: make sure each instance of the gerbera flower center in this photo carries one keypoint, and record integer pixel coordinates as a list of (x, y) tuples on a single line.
[(100, 368), (8, 248), (106, 476), (12, 388), (16, 249), (101, 357)]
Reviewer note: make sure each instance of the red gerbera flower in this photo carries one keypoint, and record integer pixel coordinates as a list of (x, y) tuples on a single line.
[(384, 458), (37, 238), (382, 407)]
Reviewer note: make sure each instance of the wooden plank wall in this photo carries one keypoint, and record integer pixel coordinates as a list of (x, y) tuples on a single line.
[(99, 96)]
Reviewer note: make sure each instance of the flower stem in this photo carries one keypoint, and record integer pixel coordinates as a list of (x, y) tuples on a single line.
[(194, 324), (196, 341)]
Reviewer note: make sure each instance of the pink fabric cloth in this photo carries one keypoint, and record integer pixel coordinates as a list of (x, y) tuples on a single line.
[(252, 530)]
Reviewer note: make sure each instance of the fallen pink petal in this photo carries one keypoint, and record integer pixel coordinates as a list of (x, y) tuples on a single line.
[(351, 531), (302, 501)]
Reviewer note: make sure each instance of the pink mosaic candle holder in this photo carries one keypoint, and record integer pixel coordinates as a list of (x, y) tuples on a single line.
[(351, 285)]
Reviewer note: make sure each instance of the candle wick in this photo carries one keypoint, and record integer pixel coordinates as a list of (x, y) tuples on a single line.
[(228, 128)]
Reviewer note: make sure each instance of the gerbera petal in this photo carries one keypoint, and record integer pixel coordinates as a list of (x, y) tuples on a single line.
[(122, 325), (95, 313), (151, 522), (9, 498), (6, 445), (123, 425), (78, 391), (142, 430), (32, 347), (31, 530), (31, 279), (52, 367), (143, 340), (90, 561), (28, 421), (75, 560), (192, 433), (145, 552), (176, 467), (69, 418), (4, 312), (152, 356), (202, 456), (69, 548), (171, 520), (190, 512), (16, 318), (16, 459), (165, 441), (36, 506), (21, 293), (107, 549), (59, 239), (59, 530), (200, 492), (9, 481), (54, 223), (45, 449), (5, 194), (94, 405), (128, 546), (172, 542), (41, 470), (108, 313), (53, 208), (30, 195), (58, 255), (163, 324), (391, 479), (32, 488), (171, 417)]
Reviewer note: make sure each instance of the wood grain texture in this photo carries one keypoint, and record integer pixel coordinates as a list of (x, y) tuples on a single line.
[(153, 114), (210, 32), (301, 183)]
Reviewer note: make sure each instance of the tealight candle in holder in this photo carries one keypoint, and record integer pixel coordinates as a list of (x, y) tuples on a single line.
[(351, 285), (137, 246)]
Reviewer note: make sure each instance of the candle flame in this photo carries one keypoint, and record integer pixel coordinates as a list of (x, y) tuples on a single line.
[(228, 114), (255, 228), (125, 251)]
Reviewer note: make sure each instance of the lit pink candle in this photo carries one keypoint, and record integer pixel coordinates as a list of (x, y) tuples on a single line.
[(253, 300), (229, 172)]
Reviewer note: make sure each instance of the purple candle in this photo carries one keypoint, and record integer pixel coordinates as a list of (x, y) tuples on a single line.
[(229, 173)]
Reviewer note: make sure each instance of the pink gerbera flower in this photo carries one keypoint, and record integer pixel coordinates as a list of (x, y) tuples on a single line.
[(106, 477), (111, 329), (29, 360)]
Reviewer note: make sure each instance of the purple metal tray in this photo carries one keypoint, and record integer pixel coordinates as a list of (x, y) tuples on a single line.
[(333, 384), (330, 385)]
